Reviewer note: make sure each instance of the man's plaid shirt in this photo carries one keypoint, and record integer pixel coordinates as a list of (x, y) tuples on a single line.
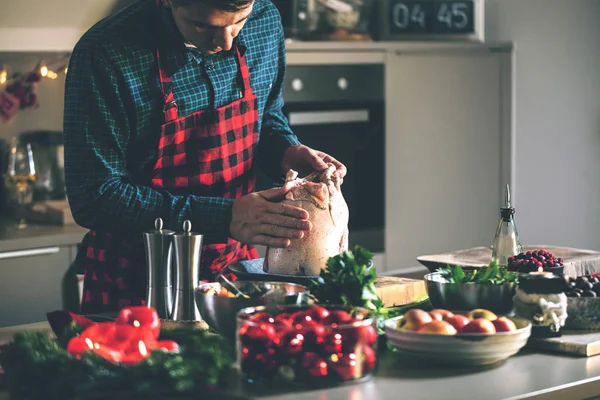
[(113, 114)]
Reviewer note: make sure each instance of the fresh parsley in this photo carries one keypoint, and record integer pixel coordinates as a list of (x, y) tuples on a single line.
[(349, 280)]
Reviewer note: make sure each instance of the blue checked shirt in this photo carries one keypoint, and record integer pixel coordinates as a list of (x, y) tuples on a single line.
[(113, 114)]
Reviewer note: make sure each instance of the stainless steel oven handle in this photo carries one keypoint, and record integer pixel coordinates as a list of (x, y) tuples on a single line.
[(296, 118), (30, 252)]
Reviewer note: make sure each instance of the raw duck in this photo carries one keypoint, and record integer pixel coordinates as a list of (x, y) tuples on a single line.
[(320, 194)]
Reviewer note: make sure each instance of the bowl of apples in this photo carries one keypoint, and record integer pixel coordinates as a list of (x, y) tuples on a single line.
[(475, 338)]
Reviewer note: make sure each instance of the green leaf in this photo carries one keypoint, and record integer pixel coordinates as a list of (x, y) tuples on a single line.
[(459, 274)]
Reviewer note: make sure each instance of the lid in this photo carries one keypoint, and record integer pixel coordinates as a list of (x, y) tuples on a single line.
[(542, 282), (158, 228), (44, 138), (187, 230), (507, 211)]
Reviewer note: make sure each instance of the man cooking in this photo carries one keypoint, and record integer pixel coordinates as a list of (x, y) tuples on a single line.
[(170, 106)]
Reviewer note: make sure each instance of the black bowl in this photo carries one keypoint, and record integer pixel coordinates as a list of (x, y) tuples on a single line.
[(220, 312)]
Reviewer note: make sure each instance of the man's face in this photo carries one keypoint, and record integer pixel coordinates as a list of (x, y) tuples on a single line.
[(211, 31)]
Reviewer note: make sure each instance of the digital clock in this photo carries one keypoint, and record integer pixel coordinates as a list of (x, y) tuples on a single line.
[(431, 19)]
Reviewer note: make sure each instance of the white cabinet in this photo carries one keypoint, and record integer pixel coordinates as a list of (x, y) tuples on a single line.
[(31, 283), (448, 149)]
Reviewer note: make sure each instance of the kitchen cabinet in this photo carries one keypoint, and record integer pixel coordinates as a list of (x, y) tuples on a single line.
[(448, 149), (31, 283)]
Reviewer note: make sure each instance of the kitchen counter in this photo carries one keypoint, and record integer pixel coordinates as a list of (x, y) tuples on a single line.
[(37, 235), (527, 375)]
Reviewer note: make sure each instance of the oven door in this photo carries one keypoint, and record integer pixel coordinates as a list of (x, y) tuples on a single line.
[(352, 133)]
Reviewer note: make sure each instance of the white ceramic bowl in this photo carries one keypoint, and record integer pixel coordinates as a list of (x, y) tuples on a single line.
[(473, 349)]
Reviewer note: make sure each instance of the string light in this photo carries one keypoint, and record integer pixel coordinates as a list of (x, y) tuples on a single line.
[(66, 69), (43, 69), (3, 75), (50, 71)]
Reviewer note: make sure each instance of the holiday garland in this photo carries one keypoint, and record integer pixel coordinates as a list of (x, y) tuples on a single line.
[(19, 92)]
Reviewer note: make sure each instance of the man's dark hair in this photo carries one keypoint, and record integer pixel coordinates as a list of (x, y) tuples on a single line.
[(223, 5)]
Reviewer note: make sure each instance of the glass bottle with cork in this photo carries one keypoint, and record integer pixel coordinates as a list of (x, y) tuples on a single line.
[(506, 241)]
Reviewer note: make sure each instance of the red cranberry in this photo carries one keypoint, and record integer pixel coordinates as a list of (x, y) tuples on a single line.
[(338, 317), (292, 342), (259, 364), (299, 317), (285, 318), (369, 359), (314, 365), (369, 334), (318, 313), (258, 337), (312, 331), (345, 365), (333, 342)]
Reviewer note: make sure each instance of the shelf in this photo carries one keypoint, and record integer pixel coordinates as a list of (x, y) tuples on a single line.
[(23, 40)]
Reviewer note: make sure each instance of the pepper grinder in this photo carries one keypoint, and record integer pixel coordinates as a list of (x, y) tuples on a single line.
[(506, 240), (159, 286), (188, 246)]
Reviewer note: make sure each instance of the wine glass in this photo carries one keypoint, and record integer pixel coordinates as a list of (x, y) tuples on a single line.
[(21, 174)]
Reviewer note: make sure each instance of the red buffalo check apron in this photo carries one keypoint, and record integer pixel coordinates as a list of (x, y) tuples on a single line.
[(207, 153)]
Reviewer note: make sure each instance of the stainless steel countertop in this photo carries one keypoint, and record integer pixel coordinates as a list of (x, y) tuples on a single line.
[(527, 375), (35, 236)]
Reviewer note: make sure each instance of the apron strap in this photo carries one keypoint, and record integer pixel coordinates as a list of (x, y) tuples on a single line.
[(244, 71), (166, 83)]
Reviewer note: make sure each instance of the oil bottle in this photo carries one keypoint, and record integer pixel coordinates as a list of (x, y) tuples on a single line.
[(506, 241)]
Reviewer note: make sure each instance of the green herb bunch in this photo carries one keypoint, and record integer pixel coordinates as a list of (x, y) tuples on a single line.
[(37, 367), (492, 274), (349, 280)]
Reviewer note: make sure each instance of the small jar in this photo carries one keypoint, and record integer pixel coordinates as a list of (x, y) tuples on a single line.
[(541, 298)]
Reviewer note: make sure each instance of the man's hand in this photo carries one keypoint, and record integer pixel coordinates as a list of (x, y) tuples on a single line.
[(256, 219), (305, 160)]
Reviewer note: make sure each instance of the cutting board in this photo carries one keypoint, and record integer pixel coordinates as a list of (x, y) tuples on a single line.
[(584, 344), (395, 291), (577, 262), (391, 290)]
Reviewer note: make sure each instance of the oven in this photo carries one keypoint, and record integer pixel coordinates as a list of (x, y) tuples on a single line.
[(339, 109)]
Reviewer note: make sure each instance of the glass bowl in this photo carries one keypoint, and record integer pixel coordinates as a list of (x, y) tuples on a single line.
[(307, 344)]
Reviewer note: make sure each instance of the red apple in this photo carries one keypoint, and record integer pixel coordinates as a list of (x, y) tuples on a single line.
[(458, 321), (439, 327), (504, 324), (482, 313), (479, 325), (440, 314), (414, 319)]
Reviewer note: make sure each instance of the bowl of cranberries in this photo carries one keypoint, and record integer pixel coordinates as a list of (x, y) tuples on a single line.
[(306, 345), (532, 261)]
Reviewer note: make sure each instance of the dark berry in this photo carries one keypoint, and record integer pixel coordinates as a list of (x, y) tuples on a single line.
[(588, 293), (573, 293)]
